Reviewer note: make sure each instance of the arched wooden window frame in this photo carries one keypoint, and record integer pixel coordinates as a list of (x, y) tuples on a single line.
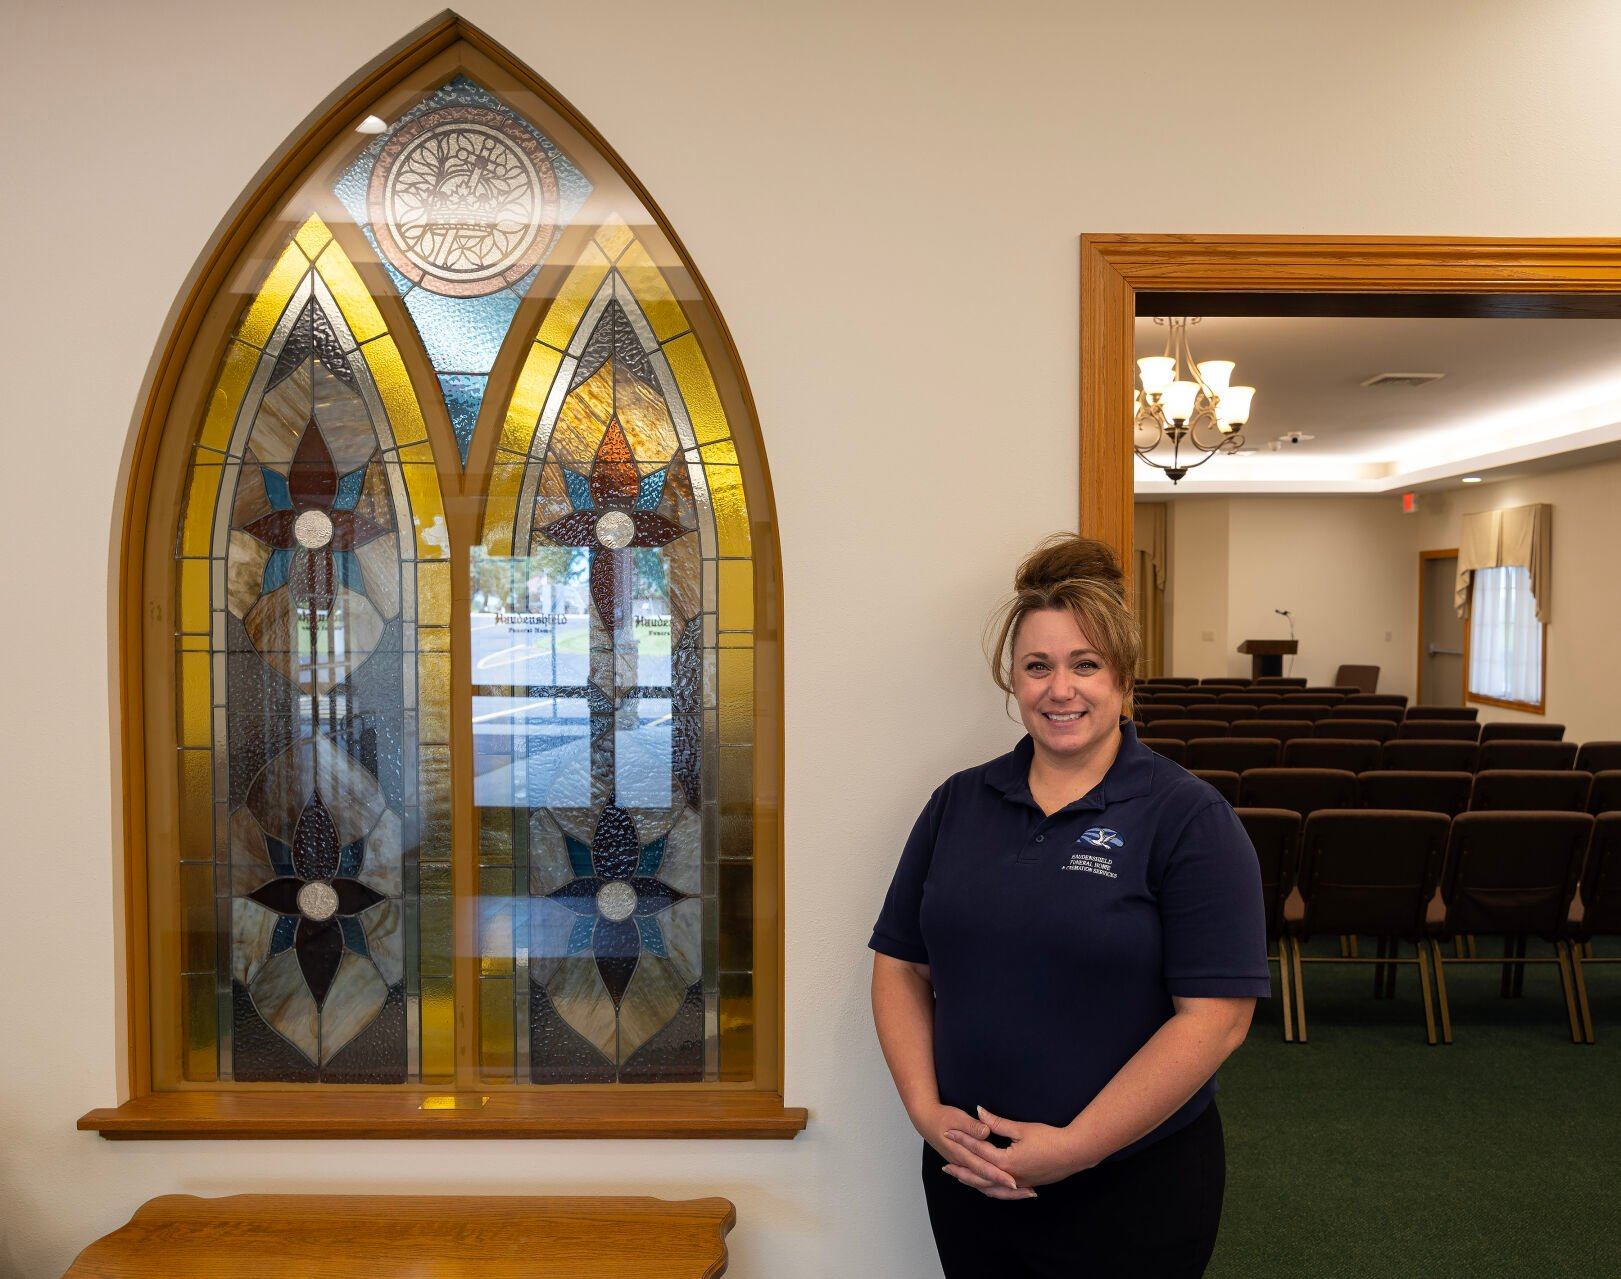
[(154, 1103)]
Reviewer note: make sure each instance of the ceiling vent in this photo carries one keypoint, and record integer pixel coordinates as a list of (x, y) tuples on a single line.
[(1402, 379)]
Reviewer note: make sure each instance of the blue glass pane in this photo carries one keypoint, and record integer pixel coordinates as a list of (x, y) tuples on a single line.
[(642, 762), (463, 392), (461, 335)]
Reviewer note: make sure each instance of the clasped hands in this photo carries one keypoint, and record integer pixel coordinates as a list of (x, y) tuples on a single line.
[(1040, 1153)]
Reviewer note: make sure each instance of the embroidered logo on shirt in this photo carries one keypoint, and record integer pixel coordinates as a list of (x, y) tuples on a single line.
[(1092, 865), (1101, 837)]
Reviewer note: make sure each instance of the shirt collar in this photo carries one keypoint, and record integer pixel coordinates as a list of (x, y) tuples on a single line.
[(1131, 774)]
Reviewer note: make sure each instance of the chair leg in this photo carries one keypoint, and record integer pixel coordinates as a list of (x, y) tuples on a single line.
[(1519, 969), (1559, 949), (1441, 991), (1581, 989), (1392, 969), (1345, 945), (1505, 982), (1424, 985), (1458, 948), (1351, 941), (1379, 969), (1284, 993), (1300, 992), (1474, 953)]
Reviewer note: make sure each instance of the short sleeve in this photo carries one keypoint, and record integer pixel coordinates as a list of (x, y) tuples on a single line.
[(899, 931), (1212, 911)]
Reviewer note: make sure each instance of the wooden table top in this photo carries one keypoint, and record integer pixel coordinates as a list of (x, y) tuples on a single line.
[(414, 1237)]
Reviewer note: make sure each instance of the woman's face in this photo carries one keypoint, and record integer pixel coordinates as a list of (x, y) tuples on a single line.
[(1068, 699)]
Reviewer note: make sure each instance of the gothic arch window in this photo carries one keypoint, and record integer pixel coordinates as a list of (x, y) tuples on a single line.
[(452, 679)]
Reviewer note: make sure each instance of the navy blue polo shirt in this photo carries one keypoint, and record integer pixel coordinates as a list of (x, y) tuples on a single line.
[(1054, 944)]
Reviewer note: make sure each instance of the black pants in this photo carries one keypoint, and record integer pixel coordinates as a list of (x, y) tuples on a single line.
[(1151, 1215)]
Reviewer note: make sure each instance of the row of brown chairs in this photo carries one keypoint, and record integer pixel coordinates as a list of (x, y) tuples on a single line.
[(1304, 790), (1359, 755), (1284, 722), (1420, 878)]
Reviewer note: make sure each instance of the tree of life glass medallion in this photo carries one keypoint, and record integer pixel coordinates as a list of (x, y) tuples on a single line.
[(315, 540), (596, 721)]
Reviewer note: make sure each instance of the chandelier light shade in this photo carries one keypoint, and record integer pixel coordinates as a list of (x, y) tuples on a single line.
[(1191, 405)]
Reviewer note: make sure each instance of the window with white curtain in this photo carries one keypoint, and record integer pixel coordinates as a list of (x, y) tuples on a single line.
[(1505, 638)]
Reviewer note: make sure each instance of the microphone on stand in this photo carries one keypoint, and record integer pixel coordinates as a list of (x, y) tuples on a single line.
[(1285, 613)]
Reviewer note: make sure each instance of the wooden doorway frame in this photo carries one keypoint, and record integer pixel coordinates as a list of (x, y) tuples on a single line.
[(1424, 557), (1501, 277)]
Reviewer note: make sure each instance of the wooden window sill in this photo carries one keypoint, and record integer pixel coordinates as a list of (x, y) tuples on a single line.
[(623, 1113)]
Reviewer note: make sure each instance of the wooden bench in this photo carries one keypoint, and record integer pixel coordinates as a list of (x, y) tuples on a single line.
[(421, 1236)]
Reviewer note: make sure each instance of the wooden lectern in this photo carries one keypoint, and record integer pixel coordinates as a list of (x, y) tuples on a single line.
[(1266, 656)]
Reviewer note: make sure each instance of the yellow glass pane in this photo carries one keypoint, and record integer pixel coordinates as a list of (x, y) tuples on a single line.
[(501, 507), (529, 398), (576, 294), (435, 934), (735, 676), (435, 811), (196, 699), (418, 454), (433, 697), (731, 509), (197, 917), (394, 386), (495, 1030), (197, 533), (651, 289), (495, 921), (194, 597), (427, 511), (197, 804), (613, 235), (434, 879), (736, 1026), (736, 916), (200, 1020), (723, 453), (736, 590), (433, 594), (434, 639), (271, 301), (438, 1009), (235, 371), (737, 777), (495, 836), (697, 389), (354, 299), (312, 237), (737, 836)]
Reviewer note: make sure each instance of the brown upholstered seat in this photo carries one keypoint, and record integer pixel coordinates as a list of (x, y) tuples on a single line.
[(1516, 753), (1598, 757), (1377, 699), (1186, 729), (1364, 679), (1429, 756), (1364, 710), (1331, 752), (1219, 710), (1300, 790), (1536, 791), (1438, 730), (1596, 909), (1278, 681), (1275, 834), (1160, 710), (1511, 875), (1173, 748), (1224, 681), (1366, 871), (1248, 697), (1443, 712), (1177, 681), (1605, 794), (1284, 729), (1290, 708), (1363, 730), (1412, 791), (1223, 779), (1504, 730), (1234, 753)]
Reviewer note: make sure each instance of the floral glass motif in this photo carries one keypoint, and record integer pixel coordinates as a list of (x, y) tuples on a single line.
[(595, 645), (463, 199), (319, 546)]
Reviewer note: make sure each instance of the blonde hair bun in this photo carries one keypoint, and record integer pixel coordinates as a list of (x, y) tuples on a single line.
[(1068, 557)]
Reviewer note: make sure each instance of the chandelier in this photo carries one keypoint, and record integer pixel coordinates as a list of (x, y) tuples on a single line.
[(1191, 405)]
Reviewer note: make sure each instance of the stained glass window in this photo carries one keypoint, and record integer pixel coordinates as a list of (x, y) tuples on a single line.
[(315, 607), (467, 635)]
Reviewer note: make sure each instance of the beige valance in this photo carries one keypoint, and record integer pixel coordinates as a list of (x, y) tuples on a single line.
[(1517, 537)]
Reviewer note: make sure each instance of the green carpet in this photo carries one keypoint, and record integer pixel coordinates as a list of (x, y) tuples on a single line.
[(1367, 1152)]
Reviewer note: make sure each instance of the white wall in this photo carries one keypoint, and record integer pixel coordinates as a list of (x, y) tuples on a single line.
[(885, 200)]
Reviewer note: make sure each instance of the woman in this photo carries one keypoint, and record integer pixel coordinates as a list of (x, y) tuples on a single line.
[(1073, 942)]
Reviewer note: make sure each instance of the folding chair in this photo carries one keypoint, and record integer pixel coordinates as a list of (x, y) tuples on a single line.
[(1521, 753), (1596, 909), (1415, 792), (1331, 752), (1429, 756), (1223, 779), (1234, 753), (1503, 730)]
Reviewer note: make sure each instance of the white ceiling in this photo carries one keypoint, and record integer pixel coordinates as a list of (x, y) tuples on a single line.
[(1517, 394)]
